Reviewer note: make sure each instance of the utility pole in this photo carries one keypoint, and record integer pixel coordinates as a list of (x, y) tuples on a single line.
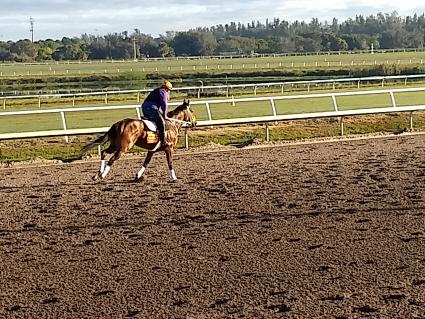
[(32, 29), (134, 49)]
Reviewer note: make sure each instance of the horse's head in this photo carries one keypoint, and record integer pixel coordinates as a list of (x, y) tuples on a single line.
[(184, 113), (189, 115)]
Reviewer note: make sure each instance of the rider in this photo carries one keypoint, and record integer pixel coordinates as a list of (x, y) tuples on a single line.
[(155, 108)]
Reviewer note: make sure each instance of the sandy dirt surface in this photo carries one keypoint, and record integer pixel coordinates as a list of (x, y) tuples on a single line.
[(330, 230)]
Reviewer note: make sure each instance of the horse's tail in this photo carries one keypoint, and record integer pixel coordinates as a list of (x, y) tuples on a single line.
[(99, 141)]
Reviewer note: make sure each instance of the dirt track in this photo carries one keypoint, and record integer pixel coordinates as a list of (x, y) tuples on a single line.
[(332, 230)]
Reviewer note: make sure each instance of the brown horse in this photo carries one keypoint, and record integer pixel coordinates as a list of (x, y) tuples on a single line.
[(126, 133)]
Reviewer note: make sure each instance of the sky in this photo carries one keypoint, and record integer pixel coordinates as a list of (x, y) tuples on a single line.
[(56, 19)]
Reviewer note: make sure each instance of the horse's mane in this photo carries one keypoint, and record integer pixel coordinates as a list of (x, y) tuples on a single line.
[(178, 109)]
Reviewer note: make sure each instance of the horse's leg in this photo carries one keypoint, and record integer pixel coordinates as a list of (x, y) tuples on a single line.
[(103, 153), (111, 161), (123, 148), (169, 154), (148, 158)]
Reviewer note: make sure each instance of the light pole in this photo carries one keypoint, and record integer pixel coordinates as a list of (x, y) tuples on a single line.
[(32, 29), (134, 49)]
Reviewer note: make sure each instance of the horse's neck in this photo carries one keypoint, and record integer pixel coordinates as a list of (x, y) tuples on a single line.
[(179, 117)]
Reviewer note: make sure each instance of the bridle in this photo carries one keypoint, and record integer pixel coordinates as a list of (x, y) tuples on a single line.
[(184, 123)]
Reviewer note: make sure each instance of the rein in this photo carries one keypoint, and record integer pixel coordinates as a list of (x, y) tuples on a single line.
[(180, 121)]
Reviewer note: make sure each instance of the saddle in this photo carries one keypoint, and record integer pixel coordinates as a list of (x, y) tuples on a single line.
[(149, 124), (152, 130)]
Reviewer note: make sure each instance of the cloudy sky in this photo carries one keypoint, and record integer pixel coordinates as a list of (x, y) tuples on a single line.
[(58, 18)]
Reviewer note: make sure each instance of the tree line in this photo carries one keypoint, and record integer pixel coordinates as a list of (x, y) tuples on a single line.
[(382, 31)]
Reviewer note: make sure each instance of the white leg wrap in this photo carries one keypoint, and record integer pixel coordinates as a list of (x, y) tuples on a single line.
[(105, 171), (102, 165), (173, 174), (140, 173)]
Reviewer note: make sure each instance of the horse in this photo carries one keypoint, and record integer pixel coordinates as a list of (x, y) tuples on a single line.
[(124, 134)]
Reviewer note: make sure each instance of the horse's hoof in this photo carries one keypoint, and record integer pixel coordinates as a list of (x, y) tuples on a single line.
[(98, 176), (139, 179)]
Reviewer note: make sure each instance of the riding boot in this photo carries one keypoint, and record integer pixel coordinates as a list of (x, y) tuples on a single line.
[(161, 129), (162, 138)]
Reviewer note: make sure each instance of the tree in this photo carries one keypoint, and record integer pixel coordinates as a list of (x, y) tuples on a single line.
[(331, 42), (165, 50), (194, 43), (24, 50)]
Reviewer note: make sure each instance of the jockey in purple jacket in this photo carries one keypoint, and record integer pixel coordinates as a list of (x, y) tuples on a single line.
[(155, 108)]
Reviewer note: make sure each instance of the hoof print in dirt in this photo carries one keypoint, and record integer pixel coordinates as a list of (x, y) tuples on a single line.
[(132, 313), (178, 303), (365, 309), (279, 308), (324, 268), (312, 247), (333, 298), (50, 300), (419, 282), (14, 308), (219, 302), (394, 297)]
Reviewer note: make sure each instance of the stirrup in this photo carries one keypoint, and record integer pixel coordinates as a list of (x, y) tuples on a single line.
[(156, 147), (166, 143)]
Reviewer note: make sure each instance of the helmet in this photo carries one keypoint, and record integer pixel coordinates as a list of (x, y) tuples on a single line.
[(167, 85)]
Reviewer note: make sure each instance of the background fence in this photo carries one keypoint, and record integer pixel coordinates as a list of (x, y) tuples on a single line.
[(226, 90), (274, 105)]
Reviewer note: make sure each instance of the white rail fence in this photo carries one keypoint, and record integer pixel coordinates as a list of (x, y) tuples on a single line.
[(218, 67), (222, 56), (225, 89), (273, 117)]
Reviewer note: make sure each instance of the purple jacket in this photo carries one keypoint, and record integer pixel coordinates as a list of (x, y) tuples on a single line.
[(158, 100)]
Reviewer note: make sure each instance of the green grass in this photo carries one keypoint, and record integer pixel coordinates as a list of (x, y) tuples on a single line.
[(210, 64)]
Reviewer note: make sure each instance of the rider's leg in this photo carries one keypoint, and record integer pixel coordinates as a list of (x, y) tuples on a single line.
[(161, 129)]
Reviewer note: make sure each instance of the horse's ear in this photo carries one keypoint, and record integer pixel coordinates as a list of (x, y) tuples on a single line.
[(188, 103)]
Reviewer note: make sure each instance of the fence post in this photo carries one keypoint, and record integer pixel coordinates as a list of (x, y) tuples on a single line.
[(334, 103), (273, 107), (64, 125), (4, 103), (186, 138), (139, 116), (39, 101), (341, 125), (267, 132), (411, 121), (393, 99), (208, 111)]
